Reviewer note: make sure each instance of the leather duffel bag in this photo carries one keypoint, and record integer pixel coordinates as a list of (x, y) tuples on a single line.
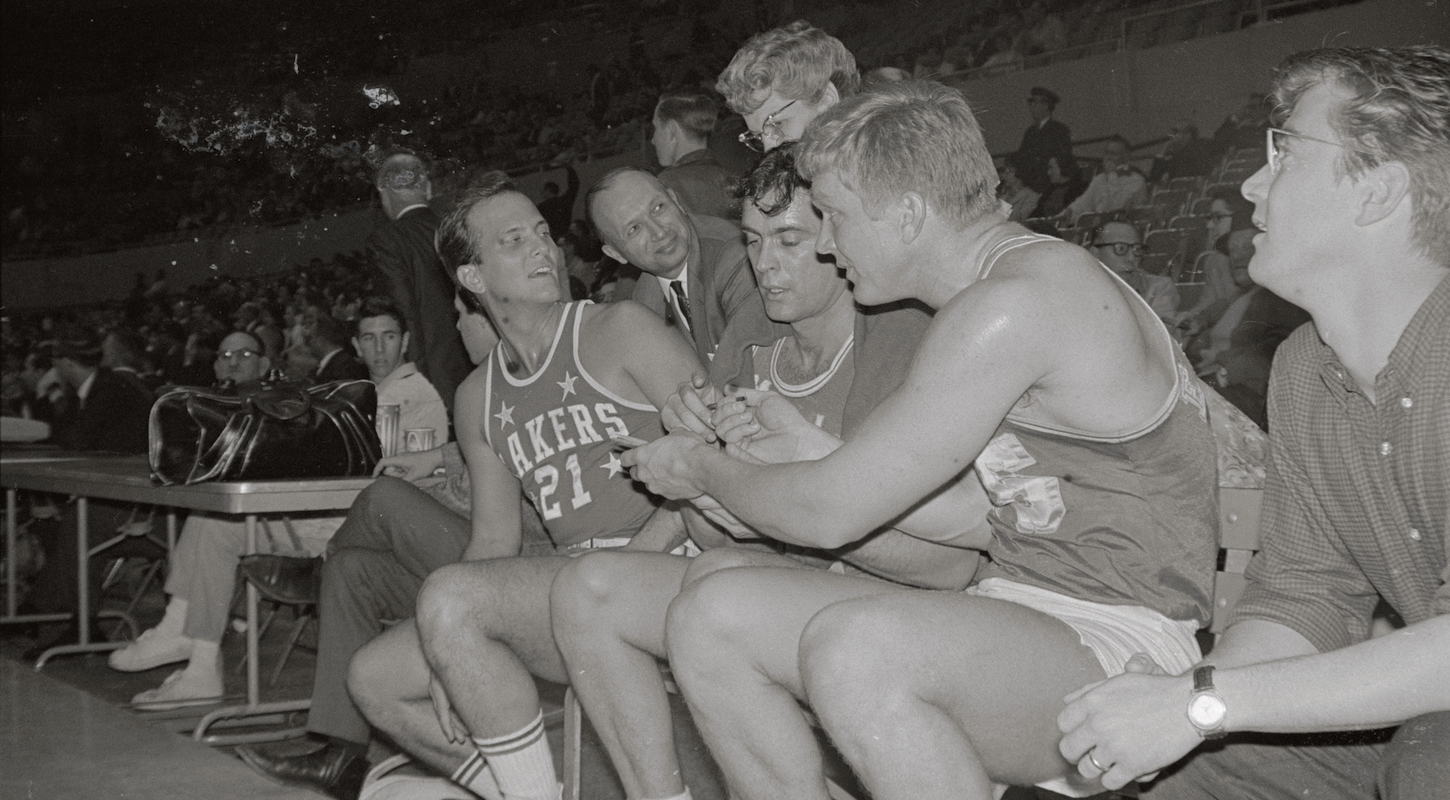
[(272, 431)]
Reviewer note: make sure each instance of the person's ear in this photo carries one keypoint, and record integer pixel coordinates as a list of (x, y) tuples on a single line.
[(910, 210), (614, 254), (470, 277), (830, 97), (403, 348), (1384, 188)]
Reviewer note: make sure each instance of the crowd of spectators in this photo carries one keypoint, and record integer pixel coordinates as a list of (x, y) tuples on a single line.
[(198, 160)]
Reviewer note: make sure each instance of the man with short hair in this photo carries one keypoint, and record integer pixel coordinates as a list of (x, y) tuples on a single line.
[(1045, 139), (683, 122), (1120, 248), (1084, 424), (1118, 186), (327, 338), (538, 419), (403, 265), (381, 341), (1354, 213), (699, 277)]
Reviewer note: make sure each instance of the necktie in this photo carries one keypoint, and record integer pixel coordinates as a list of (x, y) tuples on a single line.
[(683, 303)]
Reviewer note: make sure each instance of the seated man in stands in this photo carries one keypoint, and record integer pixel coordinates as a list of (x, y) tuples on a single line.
[(609, 608), (1085, 426), (538, 418), (327, 339), (203, 568), (1120, 248), (1118, 186), (1352, 207)]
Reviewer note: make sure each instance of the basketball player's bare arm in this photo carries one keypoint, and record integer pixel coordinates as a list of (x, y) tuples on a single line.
[(495, 519), (1058, 335), (634, 353)]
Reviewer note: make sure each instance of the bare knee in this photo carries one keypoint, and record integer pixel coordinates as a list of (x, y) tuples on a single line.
[(371, 679), (845, 651), (707, 622), (448, 600), (585, 590)]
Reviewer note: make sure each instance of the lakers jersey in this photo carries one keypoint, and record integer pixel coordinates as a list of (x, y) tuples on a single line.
[(1123, 520), (554, 430), (820, 399)]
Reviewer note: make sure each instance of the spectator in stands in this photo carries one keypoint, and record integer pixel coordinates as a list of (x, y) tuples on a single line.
[(1064, 184), (1243, 128), (1044, 139), (699, 278), (1240, 333), (1184, 155), (683, 122), (403, 265), (558, 208), (327, 339), (123, 352), (935, 694), (380, 341), (782, 79), (1228, 212), (1014, 192), (1120, 184), (1353, 208), (103, 410), (1120, 248)]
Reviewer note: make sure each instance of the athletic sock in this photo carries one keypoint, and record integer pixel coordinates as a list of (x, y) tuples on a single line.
[(174, 619), (204, 654), (475, 776), (521, 763)]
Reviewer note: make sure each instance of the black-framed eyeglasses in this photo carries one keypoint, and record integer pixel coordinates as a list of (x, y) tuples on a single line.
[(1122, 248), (768, 126), (1272, 144), (227, 355)]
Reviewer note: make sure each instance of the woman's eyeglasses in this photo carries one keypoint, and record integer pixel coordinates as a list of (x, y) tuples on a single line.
[(770, 126)]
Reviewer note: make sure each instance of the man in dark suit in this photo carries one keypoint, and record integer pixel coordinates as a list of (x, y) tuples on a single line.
[(1044, 139), (558, 209), (698, 275), (683, 122), (403, 265), (328, 339)]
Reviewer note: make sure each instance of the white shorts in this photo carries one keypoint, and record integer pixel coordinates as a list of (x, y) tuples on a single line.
[(1113, 633), (688, 549)]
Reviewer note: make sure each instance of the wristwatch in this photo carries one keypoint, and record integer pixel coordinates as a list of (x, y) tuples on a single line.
[(1206, 708)]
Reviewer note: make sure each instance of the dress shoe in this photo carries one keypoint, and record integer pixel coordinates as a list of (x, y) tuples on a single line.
[(285, 579), (150, 650), (333, 769)]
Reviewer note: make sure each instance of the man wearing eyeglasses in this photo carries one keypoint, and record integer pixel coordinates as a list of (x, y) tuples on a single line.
[(1120, 248), (1352, 208)]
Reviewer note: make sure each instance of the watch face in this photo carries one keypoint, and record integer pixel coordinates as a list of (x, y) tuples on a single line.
[(1207, 711)]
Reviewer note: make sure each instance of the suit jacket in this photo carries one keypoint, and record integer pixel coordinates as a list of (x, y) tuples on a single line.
[(403, 265), (702, 185), (342, 367), (1050, 140), (721, 285), (115, 417), (559, 211)]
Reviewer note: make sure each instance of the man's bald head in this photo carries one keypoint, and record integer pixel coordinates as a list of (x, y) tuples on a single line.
[(402, 180)]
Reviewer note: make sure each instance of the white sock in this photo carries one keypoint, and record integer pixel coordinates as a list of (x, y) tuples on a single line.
[(476, 777), (685, 795), (204, 655), (174, 619), (522, 764)]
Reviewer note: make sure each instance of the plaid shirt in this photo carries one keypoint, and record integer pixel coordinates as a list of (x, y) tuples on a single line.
[(1358, 494)]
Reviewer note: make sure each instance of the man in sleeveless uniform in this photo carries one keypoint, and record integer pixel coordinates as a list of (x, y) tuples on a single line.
[(538, 417), (609, 608), (1043, 372)]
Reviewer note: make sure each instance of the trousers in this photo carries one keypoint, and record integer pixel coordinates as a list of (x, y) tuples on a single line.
[(1412, 763)]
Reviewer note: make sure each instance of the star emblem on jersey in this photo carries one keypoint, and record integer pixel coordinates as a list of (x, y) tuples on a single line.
[(615, 466), (568, 385), (505, 415)]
